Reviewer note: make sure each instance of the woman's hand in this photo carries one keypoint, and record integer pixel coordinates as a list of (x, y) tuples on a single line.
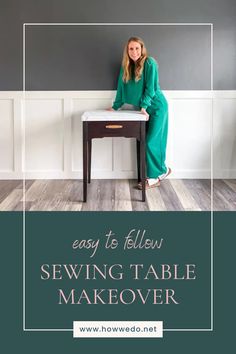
[(143, 111), (109, 109)]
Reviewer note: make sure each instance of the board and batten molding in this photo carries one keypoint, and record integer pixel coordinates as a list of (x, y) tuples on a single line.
[(43, 132)]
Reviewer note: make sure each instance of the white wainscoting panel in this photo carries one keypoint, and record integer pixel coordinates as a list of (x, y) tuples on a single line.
[(44, 136), (6, 136), (53, 135), (189, 138), (125, 158), (225, 137)]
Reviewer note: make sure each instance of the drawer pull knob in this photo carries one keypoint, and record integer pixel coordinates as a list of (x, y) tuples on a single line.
[(114, 126)]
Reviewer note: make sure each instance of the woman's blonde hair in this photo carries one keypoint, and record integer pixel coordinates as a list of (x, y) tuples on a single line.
[(128, 64)]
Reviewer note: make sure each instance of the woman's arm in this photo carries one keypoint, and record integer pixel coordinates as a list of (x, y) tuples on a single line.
[(119, 100), (151, 82)]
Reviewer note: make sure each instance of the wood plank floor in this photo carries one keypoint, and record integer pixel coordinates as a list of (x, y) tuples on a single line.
[(117, 195)]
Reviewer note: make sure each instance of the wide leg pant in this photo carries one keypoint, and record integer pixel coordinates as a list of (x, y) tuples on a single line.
[(156, 138)]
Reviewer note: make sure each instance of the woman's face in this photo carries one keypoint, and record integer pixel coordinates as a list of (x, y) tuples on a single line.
[(134, 50)]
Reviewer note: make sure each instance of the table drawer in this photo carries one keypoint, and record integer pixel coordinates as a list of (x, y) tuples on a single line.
[(128, 129)]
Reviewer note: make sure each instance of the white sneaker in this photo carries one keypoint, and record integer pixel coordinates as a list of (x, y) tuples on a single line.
[(164, 175), (152, 181)]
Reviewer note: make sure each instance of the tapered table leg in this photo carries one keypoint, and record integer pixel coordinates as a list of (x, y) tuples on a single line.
[(89, 159), (138, 158), (85, 160), (143, 159)]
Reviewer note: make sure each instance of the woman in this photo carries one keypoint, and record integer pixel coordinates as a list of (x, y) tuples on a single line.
[(138, 85)]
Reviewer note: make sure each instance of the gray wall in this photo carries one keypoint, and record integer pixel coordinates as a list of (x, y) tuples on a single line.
[(88, 58)]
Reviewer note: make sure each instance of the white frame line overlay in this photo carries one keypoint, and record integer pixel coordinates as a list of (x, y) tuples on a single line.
[(211, 154)]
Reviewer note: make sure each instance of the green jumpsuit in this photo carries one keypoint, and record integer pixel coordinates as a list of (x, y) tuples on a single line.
[(146, 93)]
